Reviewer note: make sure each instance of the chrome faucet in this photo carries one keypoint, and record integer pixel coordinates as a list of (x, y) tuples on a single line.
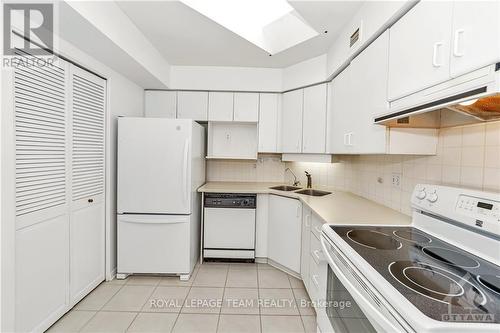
[(309, 179), (295, 181)]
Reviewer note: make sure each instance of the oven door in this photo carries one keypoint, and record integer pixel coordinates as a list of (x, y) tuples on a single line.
[(351, 304)]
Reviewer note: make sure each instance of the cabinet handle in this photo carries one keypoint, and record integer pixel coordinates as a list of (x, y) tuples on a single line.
[(345, 139), (90, 200), (435, 62), (308, 221), (456, 43), (315, 280), (316, 254)]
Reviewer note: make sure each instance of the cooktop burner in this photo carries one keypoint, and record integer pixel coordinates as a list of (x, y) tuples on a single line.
[(451, 257), (436, 283), (412, 236), (492, 282), (436, 277), (374, 239)]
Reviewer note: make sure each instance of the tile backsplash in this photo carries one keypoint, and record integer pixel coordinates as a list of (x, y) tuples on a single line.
[(468, 156), (268, 168)]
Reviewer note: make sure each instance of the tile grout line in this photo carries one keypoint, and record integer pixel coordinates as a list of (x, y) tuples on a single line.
[(223, 294), (99, 310), (185, 298), (258, 298)]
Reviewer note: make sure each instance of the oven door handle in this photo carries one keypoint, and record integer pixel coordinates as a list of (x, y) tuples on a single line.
[(381, 320)]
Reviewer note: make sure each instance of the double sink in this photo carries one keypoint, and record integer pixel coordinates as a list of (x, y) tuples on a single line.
[(307, 191)]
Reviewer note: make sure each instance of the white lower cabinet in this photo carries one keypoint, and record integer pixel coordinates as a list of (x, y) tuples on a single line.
[(284, 232), (305, 242), (261, 225)]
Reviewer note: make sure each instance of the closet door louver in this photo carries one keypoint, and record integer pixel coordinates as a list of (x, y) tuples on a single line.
[(88, 104), (40, 129)]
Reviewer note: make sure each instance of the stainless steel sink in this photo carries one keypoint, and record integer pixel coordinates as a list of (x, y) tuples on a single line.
[(285, 188), (314, 193)]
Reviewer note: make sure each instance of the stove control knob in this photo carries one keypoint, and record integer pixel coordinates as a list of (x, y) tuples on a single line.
[(421, 194), (432, 197)]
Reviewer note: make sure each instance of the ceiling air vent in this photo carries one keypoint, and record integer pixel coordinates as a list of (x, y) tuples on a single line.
[(354, 38)]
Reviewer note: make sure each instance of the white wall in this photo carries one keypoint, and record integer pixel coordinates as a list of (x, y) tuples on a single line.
[(225, 78), (373, 17), (305, 73), (112, 22)]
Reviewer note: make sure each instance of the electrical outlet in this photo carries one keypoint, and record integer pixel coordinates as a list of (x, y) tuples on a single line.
[(396, 180)]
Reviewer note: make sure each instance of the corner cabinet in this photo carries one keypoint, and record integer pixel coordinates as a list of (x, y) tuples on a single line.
[(291, 125), (284, 232), (314, 119)]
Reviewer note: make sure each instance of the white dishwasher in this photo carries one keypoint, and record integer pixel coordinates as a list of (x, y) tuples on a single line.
[(229, 226)]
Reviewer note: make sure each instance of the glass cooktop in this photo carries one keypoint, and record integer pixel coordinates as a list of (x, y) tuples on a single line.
[(442, 281)]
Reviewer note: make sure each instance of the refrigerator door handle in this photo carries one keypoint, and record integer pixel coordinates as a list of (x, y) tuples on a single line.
[(185, 170), (153, 219)]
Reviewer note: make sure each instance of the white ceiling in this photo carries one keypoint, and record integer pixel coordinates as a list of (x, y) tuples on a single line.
[(185, 37)]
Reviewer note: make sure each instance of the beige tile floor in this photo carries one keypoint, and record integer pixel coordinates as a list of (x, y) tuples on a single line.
[(228, 298)]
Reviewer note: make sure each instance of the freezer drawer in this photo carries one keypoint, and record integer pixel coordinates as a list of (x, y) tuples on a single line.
[(229, 228), (154, 244)]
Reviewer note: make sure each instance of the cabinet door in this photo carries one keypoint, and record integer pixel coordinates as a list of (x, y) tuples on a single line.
[(476, 35), (268, 123), (87, 186), (420, 48), (246, 107), (160, 104), (284, 231), (192, 105), (340, 114), (314, 124), (305, 248), (291, 128), (220, 106), (369, 71)]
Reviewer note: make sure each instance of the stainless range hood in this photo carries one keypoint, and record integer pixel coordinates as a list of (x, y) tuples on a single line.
[(470, 98)]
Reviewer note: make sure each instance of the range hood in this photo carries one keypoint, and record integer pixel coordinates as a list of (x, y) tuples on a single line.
[(470, 98)]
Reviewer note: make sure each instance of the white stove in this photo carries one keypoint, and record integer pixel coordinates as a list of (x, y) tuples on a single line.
[(441, 274)]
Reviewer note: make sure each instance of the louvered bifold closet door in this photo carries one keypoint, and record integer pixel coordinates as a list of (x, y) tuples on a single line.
[(41, 193), (88, 105), (41, 133)]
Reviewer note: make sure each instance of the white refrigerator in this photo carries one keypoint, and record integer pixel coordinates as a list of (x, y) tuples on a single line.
[(160, 166)]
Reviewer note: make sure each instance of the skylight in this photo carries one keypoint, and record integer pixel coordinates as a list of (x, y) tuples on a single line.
[(272, 25)]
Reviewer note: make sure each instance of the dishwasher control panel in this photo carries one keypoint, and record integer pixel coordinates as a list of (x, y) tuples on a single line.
[(230, 200)]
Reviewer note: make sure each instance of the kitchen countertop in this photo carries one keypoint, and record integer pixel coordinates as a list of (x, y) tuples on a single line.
[(340, 207)]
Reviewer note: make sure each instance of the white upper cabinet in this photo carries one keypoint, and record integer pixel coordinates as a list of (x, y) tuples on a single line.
[(314, 119), (161, 104), (192, 105), (220, 106), (475, 36), (269, 122), (420, 48), (246, 107), (339, 113), (369, 70), (291, 128)]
